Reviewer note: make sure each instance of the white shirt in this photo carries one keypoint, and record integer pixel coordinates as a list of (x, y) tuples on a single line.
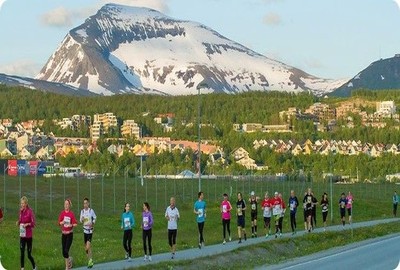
[(173, 215), (88, 218)]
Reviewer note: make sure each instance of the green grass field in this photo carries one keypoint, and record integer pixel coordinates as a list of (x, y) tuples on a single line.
[(108, 195)]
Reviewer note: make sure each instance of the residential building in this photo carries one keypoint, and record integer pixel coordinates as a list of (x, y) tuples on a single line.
[(108, 120), (96, 130), (130, 129), (251, 127), (386, 107)]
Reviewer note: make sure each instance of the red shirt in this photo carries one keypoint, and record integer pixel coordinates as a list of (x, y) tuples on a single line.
[(69, 219), (277, 205), (26, 216)]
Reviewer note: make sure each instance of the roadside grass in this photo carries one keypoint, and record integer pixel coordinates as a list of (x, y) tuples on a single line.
[(108, 196), (279, 250)]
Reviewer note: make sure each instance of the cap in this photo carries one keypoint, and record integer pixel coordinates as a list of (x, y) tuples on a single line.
[(252, 193), (276, 193)]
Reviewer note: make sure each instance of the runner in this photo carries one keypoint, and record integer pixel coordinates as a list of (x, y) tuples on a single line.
[(324, 205), (293, 204), (395, 203), (26, 223), (266, 207), (253, 200), (147, 223), (1, 214), (88, 218), (349, 205), (282, 215), (308, 202), (342, 207), (240, 213), (67, 222), (226, 208), (200, 211), (277, 208), (172, 215), (127, 223), (314, 211)]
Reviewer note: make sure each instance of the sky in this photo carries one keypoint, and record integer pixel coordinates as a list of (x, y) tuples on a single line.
[(332, 39)]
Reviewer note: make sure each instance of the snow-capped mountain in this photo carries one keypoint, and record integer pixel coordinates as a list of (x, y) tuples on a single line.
[(380, 75), (125, 49)]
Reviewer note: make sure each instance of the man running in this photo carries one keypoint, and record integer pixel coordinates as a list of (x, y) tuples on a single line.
[(172, 215), (88, 219), (277, 210), (308, 204), (240, 213), (395, 203), (293, 204), (266, 207), (253, 200), (342, 207)]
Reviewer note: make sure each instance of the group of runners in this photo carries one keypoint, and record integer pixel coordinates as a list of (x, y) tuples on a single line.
[(273, 211)]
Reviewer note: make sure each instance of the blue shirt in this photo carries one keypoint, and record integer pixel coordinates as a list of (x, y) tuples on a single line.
[(127, 221), (200, 207)]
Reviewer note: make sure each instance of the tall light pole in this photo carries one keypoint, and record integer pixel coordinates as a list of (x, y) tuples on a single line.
[(199, 86), (198, 135)]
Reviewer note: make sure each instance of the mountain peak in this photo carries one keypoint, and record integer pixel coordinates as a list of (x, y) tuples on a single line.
[(124, 49)]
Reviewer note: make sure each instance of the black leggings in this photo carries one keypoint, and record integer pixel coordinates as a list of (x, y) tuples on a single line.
[(200, 225), (147, 234), (226, 225), (293, 221), (28, 243), (172, 237), (66, 242), (127, 241)]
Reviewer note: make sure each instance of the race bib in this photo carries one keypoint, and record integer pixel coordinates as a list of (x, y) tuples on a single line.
[(67, 221), (127, 222), (201, 212), (239, 211), (86, 221), (292, 206), (22, 231), (276, 210), (224, 208), (145, 222), (253, 206)]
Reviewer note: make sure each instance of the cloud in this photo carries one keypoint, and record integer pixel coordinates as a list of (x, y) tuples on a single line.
[(1, 3), (160, 5), (272, 1), (26, 68), (59, 17), (63, 17), (397, 2), (272, 19)]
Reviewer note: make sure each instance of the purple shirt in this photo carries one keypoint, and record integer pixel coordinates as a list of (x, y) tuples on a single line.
[(147, 220)]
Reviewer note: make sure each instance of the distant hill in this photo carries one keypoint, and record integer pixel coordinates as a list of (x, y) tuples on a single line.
[(383, 74), (40, 85)]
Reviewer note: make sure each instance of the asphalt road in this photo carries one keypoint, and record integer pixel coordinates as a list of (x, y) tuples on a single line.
[(379, 253), (194, 253)]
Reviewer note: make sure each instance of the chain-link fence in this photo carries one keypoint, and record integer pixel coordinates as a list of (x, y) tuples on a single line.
[(108, 194)]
